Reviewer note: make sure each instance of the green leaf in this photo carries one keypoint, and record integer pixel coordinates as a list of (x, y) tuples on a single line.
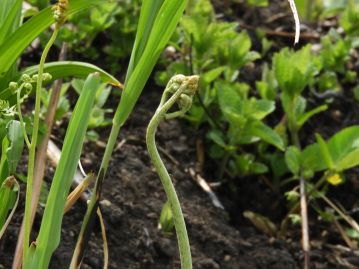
[(343, 148), (8, 190), (268, 87), (52, 218), (4, 168), (9, 17), (153, 35), (350, 160), (306, 116), (212, 74), (149, 11), (293, 69), (166, 218), (63, 69), (267, 134), (217, 137), (259, 109), (16, 139), (229, 99), (258, 168), (325, 154), (292, 159), (15, 44)]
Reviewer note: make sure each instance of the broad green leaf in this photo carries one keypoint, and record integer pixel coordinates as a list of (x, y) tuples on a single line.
[(16, 139), (237, 52), (264, 132), (229, 99), (293, 69), (350, 160), (259, 109), (217, 137), (292, 159), (325, 154), (15, 44), (343, 148), (52, 219), (212, 74)]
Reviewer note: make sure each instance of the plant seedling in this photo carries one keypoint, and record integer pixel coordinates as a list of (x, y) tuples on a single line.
[(180, 89)]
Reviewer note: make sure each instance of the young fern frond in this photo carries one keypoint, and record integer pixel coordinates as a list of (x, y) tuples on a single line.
[(180, 89)]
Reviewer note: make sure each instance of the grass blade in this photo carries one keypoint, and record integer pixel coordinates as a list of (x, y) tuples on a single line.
[(149, 10), (15, 44), (11, 18), (159, 35), (52, 219)]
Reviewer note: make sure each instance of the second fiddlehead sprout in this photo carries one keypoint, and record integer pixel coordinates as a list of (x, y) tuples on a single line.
[(180, 90)]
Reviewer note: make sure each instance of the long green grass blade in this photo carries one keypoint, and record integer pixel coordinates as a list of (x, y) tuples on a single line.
[(15, 44), (149, 11), (158, 37), (11, 19), (49, 235)]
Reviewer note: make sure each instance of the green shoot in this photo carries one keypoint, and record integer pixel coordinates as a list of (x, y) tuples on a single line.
[(180, 90)]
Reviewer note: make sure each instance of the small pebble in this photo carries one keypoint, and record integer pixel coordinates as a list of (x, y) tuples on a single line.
[(106, 202)]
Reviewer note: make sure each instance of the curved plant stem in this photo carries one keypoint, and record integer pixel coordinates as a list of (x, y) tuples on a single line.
[(32, 148), (160, 114)]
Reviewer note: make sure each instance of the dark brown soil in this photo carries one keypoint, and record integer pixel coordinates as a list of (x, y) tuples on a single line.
[(132, 201)]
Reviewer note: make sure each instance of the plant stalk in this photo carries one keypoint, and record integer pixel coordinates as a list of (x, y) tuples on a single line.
[(180, 225), (32, 149), (40, 161), (303, 203)]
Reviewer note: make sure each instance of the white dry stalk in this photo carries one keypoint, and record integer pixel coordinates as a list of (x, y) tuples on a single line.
[(296, 19)]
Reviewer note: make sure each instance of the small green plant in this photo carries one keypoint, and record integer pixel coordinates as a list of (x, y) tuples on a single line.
[(217, 52)]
